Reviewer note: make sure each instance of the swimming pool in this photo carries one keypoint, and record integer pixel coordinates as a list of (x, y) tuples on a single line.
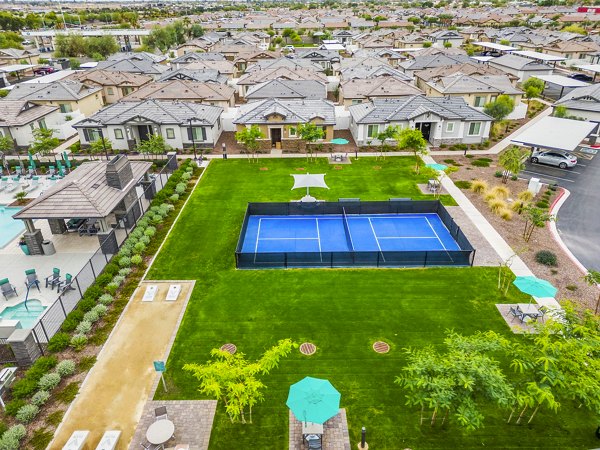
[(27, 315), (9, 227)]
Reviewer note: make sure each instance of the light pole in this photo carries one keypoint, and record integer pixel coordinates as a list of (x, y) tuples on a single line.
[(103, 143), (193, 140)]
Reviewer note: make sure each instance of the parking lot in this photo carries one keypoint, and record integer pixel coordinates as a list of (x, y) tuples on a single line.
[(563, 177)]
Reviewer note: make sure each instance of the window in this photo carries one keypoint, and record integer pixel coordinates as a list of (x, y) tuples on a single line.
[(474, 128), (91, 135), (170, 133), (292, 131), (127, 90), (42, 124), (110, 91), (479, 102), (65, 108), (450, 127), (118, 133), (372, 131), (356, 102), (197, 134)]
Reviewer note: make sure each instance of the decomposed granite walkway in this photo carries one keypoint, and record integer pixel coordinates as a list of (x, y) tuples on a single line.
[(115, 391)]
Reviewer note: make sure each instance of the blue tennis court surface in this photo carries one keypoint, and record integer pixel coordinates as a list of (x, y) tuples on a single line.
[(339, 233)]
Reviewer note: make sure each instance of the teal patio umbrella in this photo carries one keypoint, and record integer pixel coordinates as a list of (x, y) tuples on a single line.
[(339, 141), (31, 162), (66, 158), (535, 286), (437, 166), (313, 400), (61, 170)]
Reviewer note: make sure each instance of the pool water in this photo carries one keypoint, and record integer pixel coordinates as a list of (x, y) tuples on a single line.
[(9, 227), (26, 315)]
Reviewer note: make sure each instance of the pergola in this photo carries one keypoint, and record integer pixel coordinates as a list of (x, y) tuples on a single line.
[(556, 134)]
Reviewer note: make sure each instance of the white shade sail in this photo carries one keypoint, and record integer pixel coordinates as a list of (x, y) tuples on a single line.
[(308, 180), (556, 133)]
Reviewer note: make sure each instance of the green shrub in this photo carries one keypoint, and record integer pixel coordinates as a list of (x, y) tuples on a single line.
[(40, 398), (106, 299), (571, 287), (125, 261), (67, 367), (49, 381), (112, 287), (103, 279), (72, 321), (150, 231), (180, 188), (91, 317), (144, 240), (79, 341), (124, 271), (55, 418), (118, 279), (40, 439), (27, 413), (84, 327), (480, 163), (24, 387), (174, 198), (86, 363), (463, 184), (124, 252), (93, 292), (58, 342), (68, 393), (143, 222), (16, 431), (139, 248), (86, 304), (542, 204), (498, 174), (4, 427), (111, 268), (546, 258), (186, 176), (136, 260), (9, 443), (137, 233), (13, 407), (101, 310), (157, 218), (514, 177)]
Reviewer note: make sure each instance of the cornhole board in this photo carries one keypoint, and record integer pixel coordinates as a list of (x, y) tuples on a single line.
[(150, 293), (173, 292)]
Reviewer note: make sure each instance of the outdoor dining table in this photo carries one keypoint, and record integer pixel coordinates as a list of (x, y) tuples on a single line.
[(529, 309), (312, 428), (160, 431)]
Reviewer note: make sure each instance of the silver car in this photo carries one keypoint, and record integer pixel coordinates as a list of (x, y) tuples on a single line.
[(554, 158)]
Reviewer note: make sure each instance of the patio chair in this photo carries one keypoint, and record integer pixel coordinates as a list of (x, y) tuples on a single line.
[(314, 442), (35, 183), (517, 314), (51, 170), (543, 311), (7, 288), (53, 279), (160, 413), (18, 171), (66, 284), (148, 446), (31, 279)]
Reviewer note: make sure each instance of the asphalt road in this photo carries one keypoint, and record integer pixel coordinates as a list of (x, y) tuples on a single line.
[(579, 218)]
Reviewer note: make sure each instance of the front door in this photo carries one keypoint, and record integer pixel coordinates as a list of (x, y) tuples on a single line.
[(425, 128), (144, 131), (275, 136)]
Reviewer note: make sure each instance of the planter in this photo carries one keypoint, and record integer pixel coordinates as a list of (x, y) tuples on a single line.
[(24, 248)]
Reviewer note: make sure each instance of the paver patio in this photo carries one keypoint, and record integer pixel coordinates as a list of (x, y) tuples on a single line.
[(335, 433)]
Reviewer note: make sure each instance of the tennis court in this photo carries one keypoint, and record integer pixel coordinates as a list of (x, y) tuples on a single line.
[(347, 233)]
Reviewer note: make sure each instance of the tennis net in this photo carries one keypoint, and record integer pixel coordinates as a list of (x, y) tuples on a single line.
[(347, 230)]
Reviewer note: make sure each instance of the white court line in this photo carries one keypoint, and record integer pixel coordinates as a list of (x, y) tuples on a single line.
[(436, 235), (408, 237), (319, 238), (288, 239), (376, 239), (257, 238)]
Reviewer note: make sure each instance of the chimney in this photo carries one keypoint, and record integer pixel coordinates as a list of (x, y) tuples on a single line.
[(118, 172)]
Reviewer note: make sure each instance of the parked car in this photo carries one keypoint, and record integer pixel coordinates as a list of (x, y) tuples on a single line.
[(554, 158), (289, 48), (44, 70), (26, 42), (580, 77)]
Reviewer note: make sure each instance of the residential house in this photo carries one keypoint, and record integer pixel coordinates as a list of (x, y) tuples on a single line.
[(201, 44), (287, 89), (243, 60), (520, 67), (391, 56), (142, 66), (412, 40), (252, 78), (127, 124), (410, 66), (441, 120), (582, 102), (424, 76), (290, 63), (344, 36), (441, 38), (138, 56), (325, 58), (364, 72), (195, 57), (20, 117), (74, 99), (115, 85), (572, 49), (198, 75), (10, 56), (214, 94), (278, 120), (357, 90)]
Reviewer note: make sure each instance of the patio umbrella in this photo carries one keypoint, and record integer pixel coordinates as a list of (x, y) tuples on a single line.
[(535, 286), (437, 166), (308, 180), (61, 171), (66, 158), (339, 141), (313, 400), (31, 162)]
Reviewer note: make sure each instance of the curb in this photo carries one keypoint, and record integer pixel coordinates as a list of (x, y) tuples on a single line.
[(556, 205)]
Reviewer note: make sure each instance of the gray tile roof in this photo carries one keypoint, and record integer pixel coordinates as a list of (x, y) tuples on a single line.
[(377, 87), (134, 66), (194, 56), (584, 98), (466, 84), (365, 72), (56, 91), (307, 89), (160, 112), (84, 193), (199, 75), (183, 90), (293, 64), (429, 61), (292, 111), (405, 108), (21, 112), (280, 73), (137, 56), (110, 78)]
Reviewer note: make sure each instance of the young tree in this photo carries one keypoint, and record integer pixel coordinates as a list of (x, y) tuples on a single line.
[(310, 133), (234, 380), (7, 145), (43, 141), (535, 218), (533, 88), (386, 135), (412, 140), (98, 147), (102, 45), (249, 137), (561, 112), (458, 380), (500, 108), (512, 161), (593, 279), (155, 145)]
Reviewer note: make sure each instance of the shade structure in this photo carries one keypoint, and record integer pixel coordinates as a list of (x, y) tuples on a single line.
[(556, 134), (31, 162), (339, 141), (313, 400), (437, 166), (66, 158), (535, 286)]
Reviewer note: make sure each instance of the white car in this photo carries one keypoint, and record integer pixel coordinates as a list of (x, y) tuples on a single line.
[(554, 158), (289, 48)]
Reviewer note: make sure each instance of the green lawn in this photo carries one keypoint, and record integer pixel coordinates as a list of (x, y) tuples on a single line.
[(342, 311)]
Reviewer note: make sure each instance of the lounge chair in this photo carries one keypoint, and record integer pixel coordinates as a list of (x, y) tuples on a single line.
[(3, 183), (51, 170), (35, 183), (160, 413), (54, 279), (66, 284), (31, 278), (18, 171), (74, 224), (517, 314), (89, 228), (7, 288), (12, 184)]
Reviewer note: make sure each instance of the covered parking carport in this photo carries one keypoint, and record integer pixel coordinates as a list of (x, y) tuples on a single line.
[(555, 86), (554, 133)]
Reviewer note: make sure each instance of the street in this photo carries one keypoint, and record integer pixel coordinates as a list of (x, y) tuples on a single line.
[(579, 218)]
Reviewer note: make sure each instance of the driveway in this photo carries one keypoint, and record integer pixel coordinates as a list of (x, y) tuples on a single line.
[(579, 217)]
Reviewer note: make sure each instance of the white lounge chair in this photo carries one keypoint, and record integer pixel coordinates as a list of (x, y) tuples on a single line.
[(35, 183), (12, 184), (109, 440), (77, 440), (3, 183)]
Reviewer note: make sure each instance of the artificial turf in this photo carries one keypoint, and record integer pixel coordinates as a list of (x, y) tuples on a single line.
[(342, 311)]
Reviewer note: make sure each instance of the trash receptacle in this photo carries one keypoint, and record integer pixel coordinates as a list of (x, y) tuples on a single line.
[(48, 248)]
